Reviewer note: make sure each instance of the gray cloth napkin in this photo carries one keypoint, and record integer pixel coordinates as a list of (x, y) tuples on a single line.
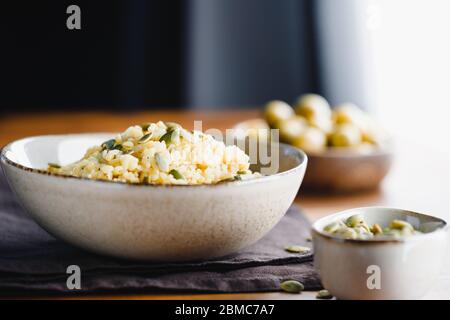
[(32, 261)]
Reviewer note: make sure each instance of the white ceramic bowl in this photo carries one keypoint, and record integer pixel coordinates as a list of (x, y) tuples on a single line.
[(170, 223), (407, 267)]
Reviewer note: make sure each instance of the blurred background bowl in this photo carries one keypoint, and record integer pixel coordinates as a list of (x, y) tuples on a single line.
[(336, 170)]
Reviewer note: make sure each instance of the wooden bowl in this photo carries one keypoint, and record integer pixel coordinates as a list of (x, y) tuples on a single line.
[(342, 170)]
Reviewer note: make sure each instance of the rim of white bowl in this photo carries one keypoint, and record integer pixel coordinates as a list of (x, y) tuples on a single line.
[(318, 231), (4, 159)]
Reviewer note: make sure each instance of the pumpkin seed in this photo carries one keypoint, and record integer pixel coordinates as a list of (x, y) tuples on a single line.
[(348, 233), (145, 138), (108, 145), (354, 220), (408, 232), (175, 137), (297, 249), (172, 125), (396, 233), (167, 137), (400, 224), (185, 134), (118, 147), (235, 178), (145, 126), (364, 227), (162, 162), (127, 147), (54, 165), (356, 228), (332, 227), (376, 229), (242, 172), (176, 174), (292, 286), (324, 294)]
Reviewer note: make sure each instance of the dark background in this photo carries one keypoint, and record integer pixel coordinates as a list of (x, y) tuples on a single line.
[(138, 54)]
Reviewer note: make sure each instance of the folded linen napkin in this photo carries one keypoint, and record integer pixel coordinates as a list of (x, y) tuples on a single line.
[(33, 261)]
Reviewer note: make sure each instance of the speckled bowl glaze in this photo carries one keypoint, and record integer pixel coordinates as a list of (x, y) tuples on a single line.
[(165, 223), (406, 268)]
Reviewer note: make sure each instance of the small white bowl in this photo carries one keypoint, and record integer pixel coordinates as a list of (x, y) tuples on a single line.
[(407, 266), (169, 223)]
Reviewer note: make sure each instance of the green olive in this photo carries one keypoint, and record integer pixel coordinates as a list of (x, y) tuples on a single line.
[(276, 111), (312, 106), (349, 113), (373, 134), (255, 129), (292, 128), (346, 135), (312, 140), (323, 123)]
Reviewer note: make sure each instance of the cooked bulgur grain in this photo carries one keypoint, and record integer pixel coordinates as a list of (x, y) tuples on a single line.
[(161, 153)]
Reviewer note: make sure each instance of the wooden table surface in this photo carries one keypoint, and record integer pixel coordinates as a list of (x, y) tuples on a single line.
[(419, 180)]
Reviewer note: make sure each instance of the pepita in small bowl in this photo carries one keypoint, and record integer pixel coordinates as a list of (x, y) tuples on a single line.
[(379, 253)]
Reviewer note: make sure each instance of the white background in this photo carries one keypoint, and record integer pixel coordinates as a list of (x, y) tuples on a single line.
[(409, 55)]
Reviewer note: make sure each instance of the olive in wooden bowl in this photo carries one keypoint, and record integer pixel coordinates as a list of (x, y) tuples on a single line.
[(347, 150)]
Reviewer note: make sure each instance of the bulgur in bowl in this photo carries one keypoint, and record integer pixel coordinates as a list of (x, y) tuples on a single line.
[(163, 216), (161, 153)]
